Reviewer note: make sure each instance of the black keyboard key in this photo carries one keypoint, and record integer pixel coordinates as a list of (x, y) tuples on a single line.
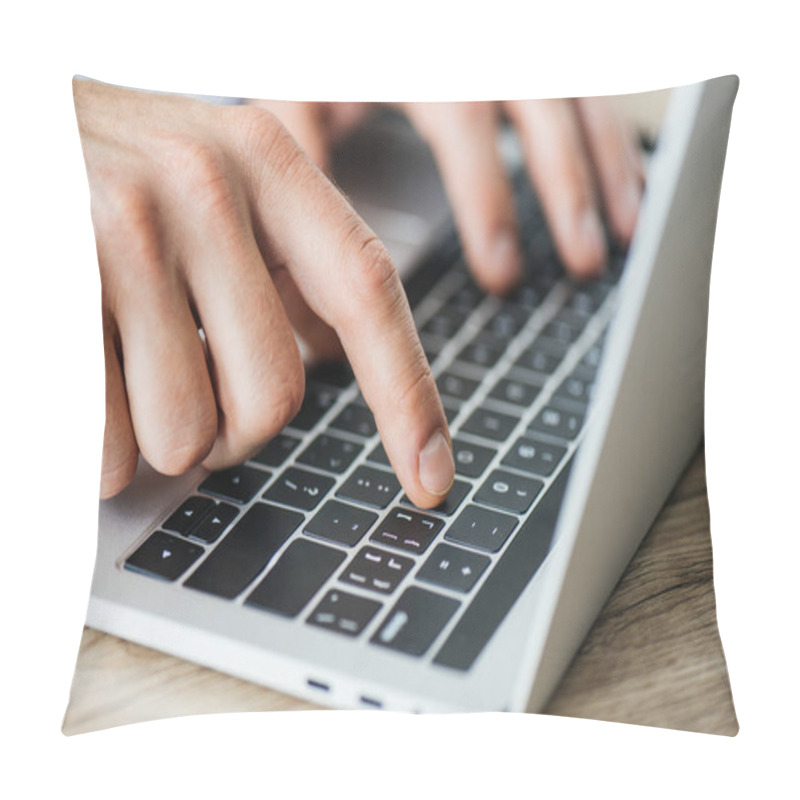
[(239, 484), (331, 373), (565, 327), (558, 422), (506, 323), (481, 354), (517, 393), (508, 491), (471, 459), (542, 356), (378, 455), (317, 402), (453, 568), (526, 297), (446, 321), (238, 559), (190, 513), (505, 582), (456, 386), (591, 360), (276, 451), (214, 524), (481, 528), (407, 530), (577, 386), (415, 621), (455, 497), (330, 453), (467, 296), (377, 570), (587, 299), (534, 456), (299, 488), (373, 487), (340, 522), (490, 424), (343, 612), (164, 556), (296, 577), (356, 418)]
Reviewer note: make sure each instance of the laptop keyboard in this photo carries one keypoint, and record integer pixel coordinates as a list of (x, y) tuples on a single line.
[(315, 527)]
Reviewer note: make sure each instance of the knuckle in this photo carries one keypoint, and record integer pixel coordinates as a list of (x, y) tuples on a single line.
[(267, 144), (369, 269), (206, 182), (265, 413), (415, 386), (126, 224), (183, 445)]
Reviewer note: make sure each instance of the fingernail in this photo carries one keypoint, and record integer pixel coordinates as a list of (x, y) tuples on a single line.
[(505, 256), (436, 467)]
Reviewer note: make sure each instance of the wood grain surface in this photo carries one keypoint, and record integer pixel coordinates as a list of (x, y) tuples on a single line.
[(653, 657)]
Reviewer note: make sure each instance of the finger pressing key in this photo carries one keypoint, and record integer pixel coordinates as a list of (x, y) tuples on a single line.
[(348, 279)]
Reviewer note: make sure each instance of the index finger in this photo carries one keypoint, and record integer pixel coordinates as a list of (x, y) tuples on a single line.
[(348, 280)]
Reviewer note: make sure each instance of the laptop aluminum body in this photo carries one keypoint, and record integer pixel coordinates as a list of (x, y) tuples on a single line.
[(647, 421)]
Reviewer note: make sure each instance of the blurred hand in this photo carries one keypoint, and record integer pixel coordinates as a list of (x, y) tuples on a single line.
[(580, 155), (212, 217)]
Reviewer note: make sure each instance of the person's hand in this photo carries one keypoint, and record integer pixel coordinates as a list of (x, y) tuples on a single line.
[(580, 155), (211, 217)]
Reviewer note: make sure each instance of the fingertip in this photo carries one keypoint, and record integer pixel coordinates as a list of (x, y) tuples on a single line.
[(498, 268), (436, 466), (626, 212), (585, 252)]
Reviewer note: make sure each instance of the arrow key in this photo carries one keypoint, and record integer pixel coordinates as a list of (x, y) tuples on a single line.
[(164, 556), (213, 525)]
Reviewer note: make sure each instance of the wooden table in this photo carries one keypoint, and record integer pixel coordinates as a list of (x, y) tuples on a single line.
[(653, 657)]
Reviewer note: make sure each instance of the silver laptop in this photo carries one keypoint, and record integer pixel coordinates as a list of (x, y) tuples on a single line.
[(573, 410)]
